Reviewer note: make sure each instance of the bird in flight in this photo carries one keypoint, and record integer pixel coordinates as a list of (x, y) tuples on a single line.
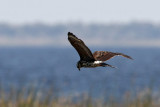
[(89, 60)]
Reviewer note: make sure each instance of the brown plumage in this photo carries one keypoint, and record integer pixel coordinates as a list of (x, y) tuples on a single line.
[(83, 51), (105, 55), (87, 59)]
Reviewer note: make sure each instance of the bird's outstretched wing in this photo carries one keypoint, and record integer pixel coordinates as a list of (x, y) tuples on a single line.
[(105, 55), (83, 51)]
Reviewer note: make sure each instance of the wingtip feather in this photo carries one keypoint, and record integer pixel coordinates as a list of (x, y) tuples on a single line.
[(69, 33)]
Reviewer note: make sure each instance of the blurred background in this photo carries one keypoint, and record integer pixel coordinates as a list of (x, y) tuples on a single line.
[(38, 64)]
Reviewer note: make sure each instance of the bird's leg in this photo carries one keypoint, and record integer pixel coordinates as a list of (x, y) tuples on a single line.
[(104, 65)]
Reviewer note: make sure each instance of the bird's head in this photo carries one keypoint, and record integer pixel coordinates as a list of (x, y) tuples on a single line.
[(79, 65)]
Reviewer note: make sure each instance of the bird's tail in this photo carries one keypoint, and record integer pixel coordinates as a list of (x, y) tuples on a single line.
[(105, 65)]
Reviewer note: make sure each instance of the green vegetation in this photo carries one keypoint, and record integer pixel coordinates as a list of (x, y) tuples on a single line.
[(34, 98)]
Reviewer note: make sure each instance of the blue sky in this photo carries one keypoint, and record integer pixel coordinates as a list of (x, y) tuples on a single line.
[(87, 11)]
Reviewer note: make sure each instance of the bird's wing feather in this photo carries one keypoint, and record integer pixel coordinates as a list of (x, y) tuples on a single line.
[(83, 51), (105, 55)]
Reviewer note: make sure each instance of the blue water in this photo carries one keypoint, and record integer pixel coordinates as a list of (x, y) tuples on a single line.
[(56, 67)]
